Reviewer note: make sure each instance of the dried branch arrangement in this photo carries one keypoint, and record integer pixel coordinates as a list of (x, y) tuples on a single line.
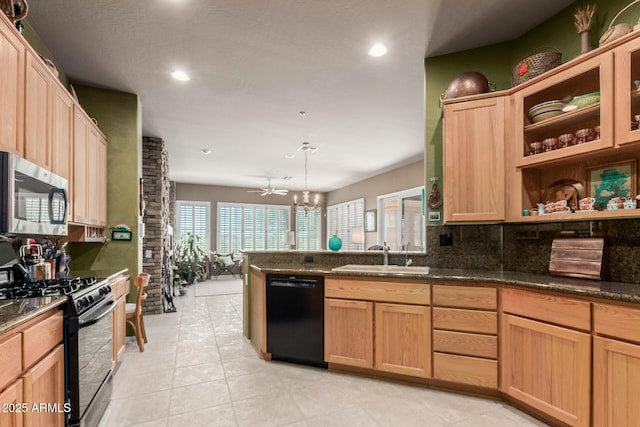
[(583, 17)]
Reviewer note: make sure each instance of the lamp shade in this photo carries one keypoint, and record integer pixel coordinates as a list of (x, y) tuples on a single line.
[(357, 235), (290, 238)]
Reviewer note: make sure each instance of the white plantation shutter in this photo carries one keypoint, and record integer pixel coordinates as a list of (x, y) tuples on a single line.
[(243, 226), (193, 217), (341, 218), (308, 227)]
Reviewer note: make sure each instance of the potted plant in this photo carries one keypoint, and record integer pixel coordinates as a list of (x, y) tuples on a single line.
[(188, 265)]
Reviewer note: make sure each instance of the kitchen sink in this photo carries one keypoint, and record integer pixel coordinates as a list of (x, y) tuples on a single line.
[(377, 268)]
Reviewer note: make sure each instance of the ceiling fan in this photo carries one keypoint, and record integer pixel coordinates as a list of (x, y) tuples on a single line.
[(269, 190)]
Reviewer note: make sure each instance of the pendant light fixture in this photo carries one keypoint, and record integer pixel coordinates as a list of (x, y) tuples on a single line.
[(306, 204)]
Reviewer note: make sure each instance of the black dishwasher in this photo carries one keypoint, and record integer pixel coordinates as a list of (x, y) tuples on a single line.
[(295, 319)]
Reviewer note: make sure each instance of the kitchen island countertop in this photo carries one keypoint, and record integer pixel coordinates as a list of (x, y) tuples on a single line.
[(619, 291)]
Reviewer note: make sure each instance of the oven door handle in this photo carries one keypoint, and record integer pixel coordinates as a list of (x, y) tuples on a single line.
[(87, 322)]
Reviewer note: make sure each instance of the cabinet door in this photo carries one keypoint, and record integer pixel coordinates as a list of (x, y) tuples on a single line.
[(38, 106), (92, 175), (348, 332), (101, 190), (474, 167), (10, 399), (62, 137), (547, 367), (44, 385), (403, 339), (80, 186), (627, 102), (616, 383), (11, 91), (119, 328)]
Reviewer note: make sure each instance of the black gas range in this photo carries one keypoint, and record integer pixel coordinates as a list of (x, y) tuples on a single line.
[(88, 341)]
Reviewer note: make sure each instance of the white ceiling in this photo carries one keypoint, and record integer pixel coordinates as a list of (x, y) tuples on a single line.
[(254, 64)]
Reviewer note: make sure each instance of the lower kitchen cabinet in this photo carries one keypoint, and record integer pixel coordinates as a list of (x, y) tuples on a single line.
[(44, 389), (616, 366), (547, 367), (348, 332), (403, 339), (119, 289), (10, 398), (616, 383)]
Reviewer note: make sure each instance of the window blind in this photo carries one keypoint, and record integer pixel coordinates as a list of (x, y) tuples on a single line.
[(243, 226), (341, 218), (194, 218)]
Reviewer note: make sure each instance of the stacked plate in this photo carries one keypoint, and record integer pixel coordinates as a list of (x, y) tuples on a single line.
[(546, 110)]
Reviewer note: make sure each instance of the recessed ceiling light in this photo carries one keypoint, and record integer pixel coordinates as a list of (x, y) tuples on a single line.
[(180, 75), (378, 50), (289, 156), (205, 151)]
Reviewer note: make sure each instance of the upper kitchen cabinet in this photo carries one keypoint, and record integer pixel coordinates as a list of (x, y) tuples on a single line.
[(11, 89), (627, 92), (546, 133), (89, 172), (474, 162), (62, 133), (38, 111)]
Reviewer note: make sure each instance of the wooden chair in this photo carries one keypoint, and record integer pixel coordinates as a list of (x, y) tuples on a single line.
[(134, 311)]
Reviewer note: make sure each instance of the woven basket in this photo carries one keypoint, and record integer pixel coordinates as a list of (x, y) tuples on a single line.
[(534, 65)]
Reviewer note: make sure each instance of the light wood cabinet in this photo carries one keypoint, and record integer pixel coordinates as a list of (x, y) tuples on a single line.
[(120, 290), (38, 111), (547, 367), (348, 332), (474, 162), (44, 383), (627, 71), (62, 134), (403, 339), (465, 334), (10, 398), (89, 172), (32, 356), (616, 383), (378, 324), (616, 365), (12, 53)]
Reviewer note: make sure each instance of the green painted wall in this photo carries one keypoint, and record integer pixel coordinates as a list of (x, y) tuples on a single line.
[(36, 42), (118, 116), (496, 62)]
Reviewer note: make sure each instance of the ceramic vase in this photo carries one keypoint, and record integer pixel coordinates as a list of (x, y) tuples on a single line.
[(584, 42), (335, 243)]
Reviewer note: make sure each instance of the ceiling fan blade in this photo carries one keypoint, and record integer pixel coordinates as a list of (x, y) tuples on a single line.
[(280, 192)]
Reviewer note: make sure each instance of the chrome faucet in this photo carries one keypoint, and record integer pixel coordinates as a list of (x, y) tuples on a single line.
[(385, 252)]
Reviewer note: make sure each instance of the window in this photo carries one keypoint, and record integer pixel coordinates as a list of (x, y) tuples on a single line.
[(193, 217), (341, 218), (402, 220), (308, 228), (243, 226)]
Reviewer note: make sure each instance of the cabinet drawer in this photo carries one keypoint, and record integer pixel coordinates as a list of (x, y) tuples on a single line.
[(465, 320), (615, 321), (378, 290), (465, 370), (465, 297), (547, 308), (39, 339), (10, 360), (465, 343)]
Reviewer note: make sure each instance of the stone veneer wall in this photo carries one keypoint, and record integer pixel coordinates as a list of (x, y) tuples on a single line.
[(155, 172)]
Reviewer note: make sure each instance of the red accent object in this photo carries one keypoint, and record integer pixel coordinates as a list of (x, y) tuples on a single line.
[(523, 69)]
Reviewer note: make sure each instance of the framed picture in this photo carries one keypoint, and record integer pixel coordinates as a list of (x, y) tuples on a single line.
[(370, 221), (434, 216), (611, 180), (121, 235)]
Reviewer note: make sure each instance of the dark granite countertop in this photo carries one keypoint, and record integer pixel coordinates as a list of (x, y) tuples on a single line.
[(627, 292), (14, 312), (99, 274)]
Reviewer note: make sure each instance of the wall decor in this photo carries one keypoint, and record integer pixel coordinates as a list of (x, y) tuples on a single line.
[(370, 220), (605, 182)]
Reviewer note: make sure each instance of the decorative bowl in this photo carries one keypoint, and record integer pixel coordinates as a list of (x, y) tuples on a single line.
[(546, 110), (585, 100)]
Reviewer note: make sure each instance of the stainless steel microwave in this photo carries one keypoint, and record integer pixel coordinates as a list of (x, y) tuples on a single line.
[(33, 201)]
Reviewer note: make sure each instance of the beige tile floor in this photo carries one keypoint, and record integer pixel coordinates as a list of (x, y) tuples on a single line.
[(198, 370)]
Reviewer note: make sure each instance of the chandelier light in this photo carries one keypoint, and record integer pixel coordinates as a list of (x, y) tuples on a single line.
[(306, 204)]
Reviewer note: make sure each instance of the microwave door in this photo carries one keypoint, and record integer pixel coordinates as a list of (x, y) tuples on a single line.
[(57, 206)]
